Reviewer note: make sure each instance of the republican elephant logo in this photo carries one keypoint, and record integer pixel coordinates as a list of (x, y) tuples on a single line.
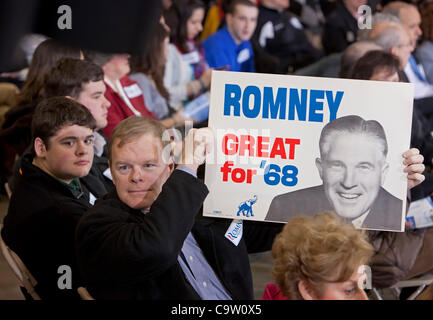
[(246, 207)]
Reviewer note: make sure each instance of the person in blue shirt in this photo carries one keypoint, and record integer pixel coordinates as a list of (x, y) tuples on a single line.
[(230, 48)]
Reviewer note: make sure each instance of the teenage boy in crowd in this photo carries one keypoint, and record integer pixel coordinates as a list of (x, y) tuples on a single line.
[(49, 199)]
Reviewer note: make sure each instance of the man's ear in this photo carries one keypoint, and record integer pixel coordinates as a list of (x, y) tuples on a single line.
[(394, 51), (319, 166), (40, 148), (304, 291), (384, 173), (229, 18)]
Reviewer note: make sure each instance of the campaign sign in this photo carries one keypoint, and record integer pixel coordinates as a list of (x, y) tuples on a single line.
[(291, 145)]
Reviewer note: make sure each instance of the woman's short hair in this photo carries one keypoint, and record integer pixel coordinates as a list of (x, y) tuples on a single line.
[(317, 250)]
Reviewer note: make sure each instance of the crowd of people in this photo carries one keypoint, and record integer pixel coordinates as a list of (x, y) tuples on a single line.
[(93, 186)]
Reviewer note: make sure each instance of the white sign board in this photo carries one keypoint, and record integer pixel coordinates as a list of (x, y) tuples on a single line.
[(268, 164)]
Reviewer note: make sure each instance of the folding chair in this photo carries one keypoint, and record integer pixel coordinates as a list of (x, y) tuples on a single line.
[(84, 294), (421, 282), (23, 275), (427, 294)]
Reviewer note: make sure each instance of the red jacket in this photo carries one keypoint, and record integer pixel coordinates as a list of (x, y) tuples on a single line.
[(119, 110), (272, 292)]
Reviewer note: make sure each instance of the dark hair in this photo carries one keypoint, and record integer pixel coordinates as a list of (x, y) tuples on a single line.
[(68, 77), (234, 3), (54, 113), (225, 5), (427, 20), (177, 17), (150, 62), (352, 124), (44, 58), (374, 61)]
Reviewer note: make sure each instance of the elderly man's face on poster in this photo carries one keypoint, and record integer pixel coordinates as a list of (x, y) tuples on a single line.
[(353, 168)]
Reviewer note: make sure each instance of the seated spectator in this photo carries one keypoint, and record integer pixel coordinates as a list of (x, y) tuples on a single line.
[(155, 245), (424, 53), (185, 19), (148, 72), (49, 197), (280, 36), (230, 46), (320, 258), (187, 74), (393, 38), (411, 20), (124, 94)]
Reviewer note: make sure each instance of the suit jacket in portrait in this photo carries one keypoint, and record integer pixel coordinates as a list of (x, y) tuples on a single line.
[(385, 213)]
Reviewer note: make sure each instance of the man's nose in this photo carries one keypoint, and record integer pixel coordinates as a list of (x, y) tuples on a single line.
[(349, 179), (136, 175), (82, 148)]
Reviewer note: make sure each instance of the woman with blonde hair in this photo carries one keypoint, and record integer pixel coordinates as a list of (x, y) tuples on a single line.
[(319, 258)]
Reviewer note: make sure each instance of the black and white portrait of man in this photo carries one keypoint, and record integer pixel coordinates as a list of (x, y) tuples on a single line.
[(353, 167)]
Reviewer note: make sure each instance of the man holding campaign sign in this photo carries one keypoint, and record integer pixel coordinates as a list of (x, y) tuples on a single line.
[(268, 129)]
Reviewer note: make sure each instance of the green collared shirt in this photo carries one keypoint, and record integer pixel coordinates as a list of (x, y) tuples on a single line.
[(74, 185)]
